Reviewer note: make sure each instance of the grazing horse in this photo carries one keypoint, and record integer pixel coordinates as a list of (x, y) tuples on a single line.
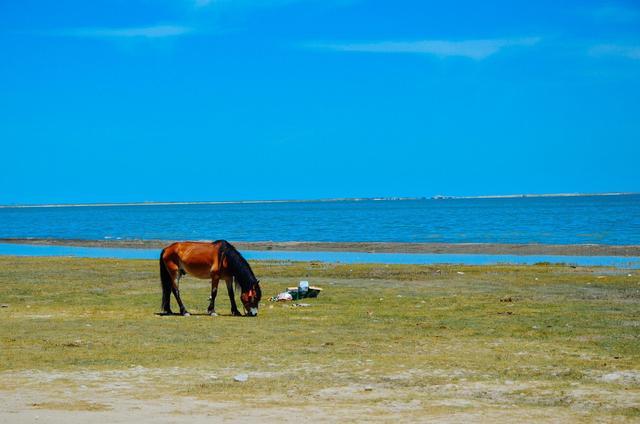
[(214, 261)]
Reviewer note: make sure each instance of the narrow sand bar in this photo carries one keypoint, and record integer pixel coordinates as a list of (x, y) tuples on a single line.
[(373, 247)]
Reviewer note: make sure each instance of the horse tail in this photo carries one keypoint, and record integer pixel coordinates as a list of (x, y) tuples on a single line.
[(167, 284)]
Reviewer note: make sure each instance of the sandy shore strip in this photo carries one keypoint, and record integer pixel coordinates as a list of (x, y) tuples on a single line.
[(369, 247)]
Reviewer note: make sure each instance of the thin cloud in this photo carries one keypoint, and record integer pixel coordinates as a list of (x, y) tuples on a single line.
[(472, 49), (158, 31), (630, 52), (257, 4), (616, 13)]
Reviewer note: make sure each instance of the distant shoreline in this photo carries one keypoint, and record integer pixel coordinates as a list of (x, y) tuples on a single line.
[(328, 200), (215, 202), (367, 247), (520, 196)]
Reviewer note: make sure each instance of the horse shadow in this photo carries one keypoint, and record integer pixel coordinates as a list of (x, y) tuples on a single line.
[(193, 314)]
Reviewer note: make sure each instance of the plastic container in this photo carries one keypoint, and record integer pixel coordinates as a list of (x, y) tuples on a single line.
[(303, 287)]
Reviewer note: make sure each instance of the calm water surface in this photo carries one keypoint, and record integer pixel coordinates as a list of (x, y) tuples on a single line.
[(560, 220)]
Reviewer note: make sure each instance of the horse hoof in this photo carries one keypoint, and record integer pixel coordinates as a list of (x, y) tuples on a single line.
[(186, 314), (213, 314)]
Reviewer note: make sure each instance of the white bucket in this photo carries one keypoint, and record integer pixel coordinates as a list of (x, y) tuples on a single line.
[(303, 287)]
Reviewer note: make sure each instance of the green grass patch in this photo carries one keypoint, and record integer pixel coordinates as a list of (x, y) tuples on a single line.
[(445, 337)]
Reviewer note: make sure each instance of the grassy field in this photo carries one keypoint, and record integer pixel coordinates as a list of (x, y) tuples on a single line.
[(80, 338)]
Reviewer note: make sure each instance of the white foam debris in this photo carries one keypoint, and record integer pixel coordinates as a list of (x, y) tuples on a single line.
[(632, 377), (241, 378)]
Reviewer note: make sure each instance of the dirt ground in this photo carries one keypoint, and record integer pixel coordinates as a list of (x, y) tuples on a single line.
[(124, 397)]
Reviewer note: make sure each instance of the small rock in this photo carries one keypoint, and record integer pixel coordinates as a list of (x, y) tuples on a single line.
[(241, 378), (368, 388), (611, 377), (460, 273), (4, 305)]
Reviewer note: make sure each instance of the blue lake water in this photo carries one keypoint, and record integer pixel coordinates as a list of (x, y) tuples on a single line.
[(554, 220), (344, 257)]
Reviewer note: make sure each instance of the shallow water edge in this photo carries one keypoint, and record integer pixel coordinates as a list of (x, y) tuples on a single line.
[(364, 247), (629, 262)]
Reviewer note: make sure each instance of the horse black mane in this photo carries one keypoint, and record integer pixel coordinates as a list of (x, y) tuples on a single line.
[(238, 265)]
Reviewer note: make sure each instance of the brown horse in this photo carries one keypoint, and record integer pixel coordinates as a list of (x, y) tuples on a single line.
[(214, 261)]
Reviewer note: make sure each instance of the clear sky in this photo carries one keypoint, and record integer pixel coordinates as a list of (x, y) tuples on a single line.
[(139, 100)]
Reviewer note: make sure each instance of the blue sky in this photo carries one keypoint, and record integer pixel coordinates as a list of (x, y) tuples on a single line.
[(109, 101)]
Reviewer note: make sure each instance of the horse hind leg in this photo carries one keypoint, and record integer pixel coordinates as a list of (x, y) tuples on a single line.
[(176, 293), (167, 277), (176, 273)]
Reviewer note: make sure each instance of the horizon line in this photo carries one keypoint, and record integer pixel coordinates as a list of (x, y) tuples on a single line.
[(337, 199)]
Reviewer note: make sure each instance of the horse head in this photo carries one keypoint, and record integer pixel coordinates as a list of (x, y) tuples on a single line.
[(251, 299)]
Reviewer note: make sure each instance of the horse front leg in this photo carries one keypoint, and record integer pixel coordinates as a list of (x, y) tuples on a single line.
[(212, 300), (232, 298)]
